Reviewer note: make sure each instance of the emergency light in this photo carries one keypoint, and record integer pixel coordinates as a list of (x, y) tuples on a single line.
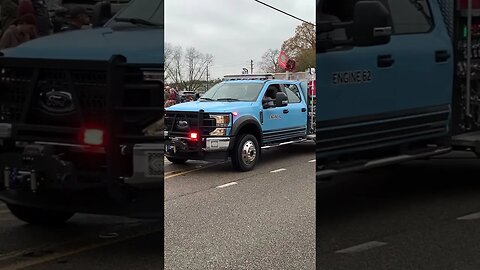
[(194, 136), (93, 137)]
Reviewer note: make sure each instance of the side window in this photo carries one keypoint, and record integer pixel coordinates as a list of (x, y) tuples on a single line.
[(293, 93), (335, 11), (411, 16), (271, 92)]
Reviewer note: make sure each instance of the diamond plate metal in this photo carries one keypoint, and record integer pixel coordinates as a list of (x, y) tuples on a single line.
[(448, 11)]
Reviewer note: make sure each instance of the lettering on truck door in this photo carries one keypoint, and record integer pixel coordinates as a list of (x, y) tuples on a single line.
[(350, 80)]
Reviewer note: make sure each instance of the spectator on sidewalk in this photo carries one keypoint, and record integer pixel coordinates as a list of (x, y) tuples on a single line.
[(44, 25), (22, 29), (79, 19)]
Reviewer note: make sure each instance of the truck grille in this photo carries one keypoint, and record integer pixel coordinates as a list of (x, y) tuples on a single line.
[(52, 100), (182, 123)]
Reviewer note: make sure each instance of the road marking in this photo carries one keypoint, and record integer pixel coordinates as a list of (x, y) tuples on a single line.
[(361, 247), (470, 216), (55, 256), (190, 171), (279, 170), (312, 161), (227, 185)]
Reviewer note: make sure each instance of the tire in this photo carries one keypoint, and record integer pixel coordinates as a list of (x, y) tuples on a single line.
[(177, 160), (37, 216), (246, 153)]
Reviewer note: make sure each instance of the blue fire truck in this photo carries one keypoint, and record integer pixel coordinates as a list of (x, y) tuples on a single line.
[(239, 117)]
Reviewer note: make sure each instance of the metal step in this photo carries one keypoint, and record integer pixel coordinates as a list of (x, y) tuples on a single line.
[(330, 172), (283, 144), (467, 141)]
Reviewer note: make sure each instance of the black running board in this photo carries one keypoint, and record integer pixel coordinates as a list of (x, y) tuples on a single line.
[(330, 172)]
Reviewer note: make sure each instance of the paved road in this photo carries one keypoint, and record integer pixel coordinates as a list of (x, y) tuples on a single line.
[(411, 216), (216, 218), (81, 244)]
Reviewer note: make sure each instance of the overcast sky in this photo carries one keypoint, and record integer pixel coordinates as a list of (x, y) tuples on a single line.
[(233, 31)]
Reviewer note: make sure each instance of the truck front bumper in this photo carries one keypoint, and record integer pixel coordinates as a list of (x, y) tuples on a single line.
[(209, 149)]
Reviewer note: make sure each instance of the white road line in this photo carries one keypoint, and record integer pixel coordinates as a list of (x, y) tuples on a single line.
[(312, 161), (361, 247), (227, 185), (279, 170), (470, 217)]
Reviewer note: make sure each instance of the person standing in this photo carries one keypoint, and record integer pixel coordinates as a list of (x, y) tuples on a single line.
[(44, 25), (166, 93), (178, 97), (78, 19), (22, 29)]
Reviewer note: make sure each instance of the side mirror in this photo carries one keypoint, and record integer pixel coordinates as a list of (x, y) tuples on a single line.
[(372, 24), (267, 103), (281, 100), (102, 12)]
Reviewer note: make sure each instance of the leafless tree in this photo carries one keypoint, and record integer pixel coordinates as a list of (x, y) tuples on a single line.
[(187, 69), (173, 63), (269, 63)]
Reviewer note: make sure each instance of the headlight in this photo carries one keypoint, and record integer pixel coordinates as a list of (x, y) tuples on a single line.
[(219, 132), (221, 120)]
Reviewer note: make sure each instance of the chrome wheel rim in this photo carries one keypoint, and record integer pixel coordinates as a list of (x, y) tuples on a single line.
[(249, 152)]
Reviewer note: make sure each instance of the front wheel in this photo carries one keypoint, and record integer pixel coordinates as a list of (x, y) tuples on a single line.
[(246, 153), (177, 160), (37, 216)]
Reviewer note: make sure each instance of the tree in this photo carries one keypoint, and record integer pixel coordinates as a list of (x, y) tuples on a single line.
[(197, 64), (188, 69), (173, 63), (301, 46), (269, 63)]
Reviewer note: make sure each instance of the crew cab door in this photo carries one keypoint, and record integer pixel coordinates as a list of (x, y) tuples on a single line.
[(422, 51), (297, 115), (273, 118), (352, 81)]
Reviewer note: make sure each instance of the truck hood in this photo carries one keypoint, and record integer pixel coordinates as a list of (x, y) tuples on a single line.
[(211, 107), (139, 45)]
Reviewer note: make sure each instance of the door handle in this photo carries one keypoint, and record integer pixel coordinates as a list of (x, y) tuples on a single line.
[(442, 56), (304, 109), (286, 111), (385, 61)]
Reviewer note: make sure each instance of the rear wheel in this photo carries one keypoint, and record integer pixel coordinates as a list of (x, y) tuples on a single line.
[(37, 216), (177, 160), (246, 153)]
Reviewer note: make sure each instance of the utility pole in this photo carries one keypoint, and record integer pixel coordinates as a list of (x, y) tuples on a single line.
[(251, 67), (207, 78)]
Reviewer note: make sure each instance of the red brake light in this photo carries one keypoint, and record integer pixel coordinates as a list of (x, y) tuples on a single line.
[(194, 136), (93, 137)]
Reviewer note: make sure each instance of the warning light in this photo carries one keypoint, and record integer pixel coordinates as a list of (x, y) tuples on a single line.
[(194, 136), (93, 137), (235, 113)]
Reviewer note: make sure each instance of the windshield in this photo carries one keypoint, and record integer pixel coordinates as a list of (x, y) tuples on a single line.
[(233, 92), (141, 12)]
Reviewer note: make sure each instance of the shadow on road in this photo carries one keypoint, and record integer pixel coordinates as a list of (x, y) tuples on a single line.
[(400, 186)]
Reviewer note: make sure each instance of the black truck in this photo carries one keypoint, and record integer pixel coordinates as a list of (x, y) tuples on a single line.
[(81, 123)]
